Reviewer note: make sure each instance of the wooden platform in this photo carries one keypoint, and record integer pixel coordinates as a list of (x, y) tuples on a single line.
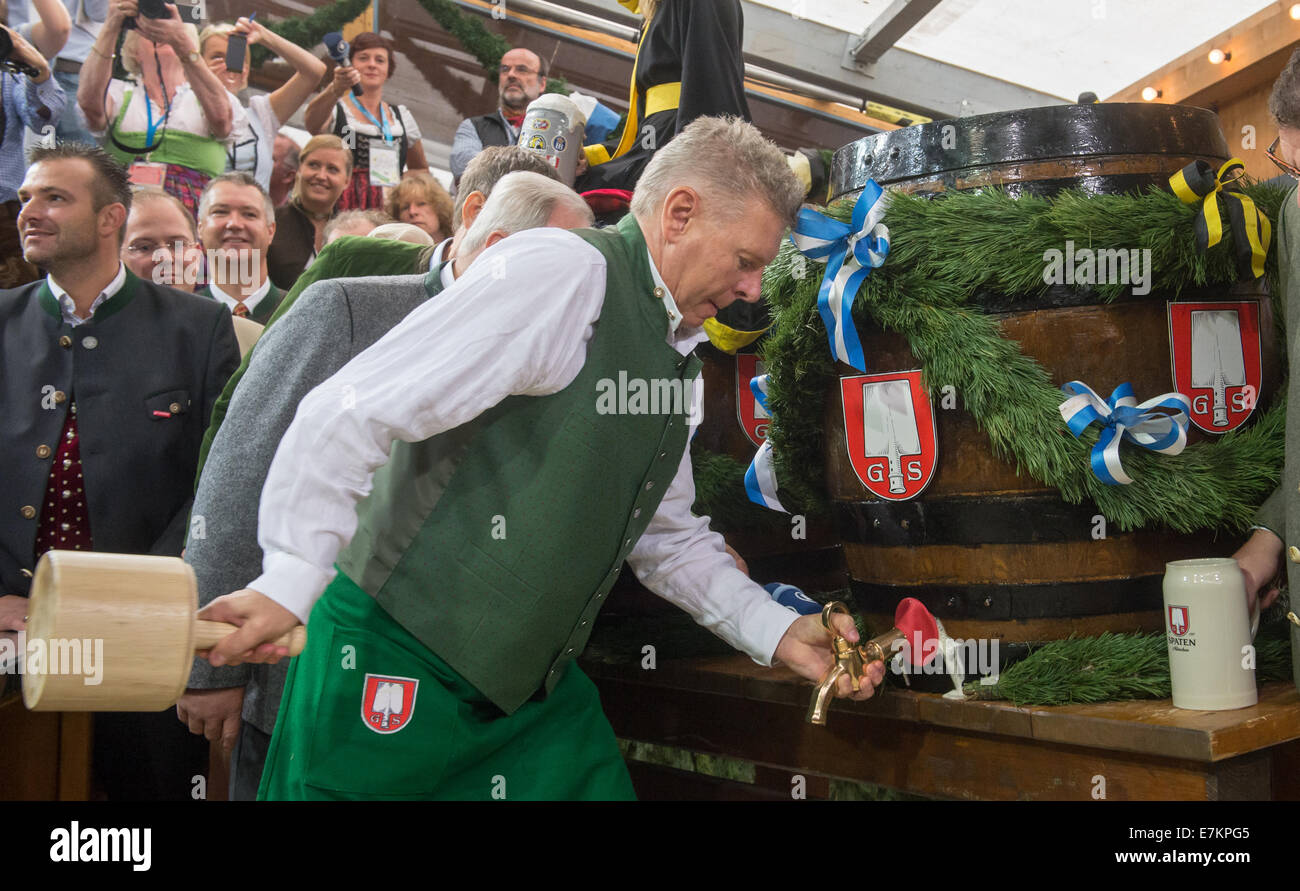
[(923, 744), (46, 754)]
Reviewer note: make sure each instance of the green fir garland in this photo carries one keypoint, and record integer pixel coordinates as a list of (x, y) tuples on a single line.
[(1113, 667), (307, 31), (473, 35), (945, 253), (478, 41)]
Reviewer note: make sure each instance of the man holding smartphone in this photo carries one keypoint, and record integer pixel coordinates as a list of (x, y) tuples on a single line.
[(30, 99)]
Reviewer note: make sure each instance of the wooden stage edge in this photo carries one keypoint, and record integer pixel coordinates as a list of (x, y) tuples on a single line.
[(923, 744)]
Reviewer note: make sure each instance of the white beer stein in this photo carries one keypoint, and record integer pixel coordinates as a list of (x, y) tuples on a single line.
[(1209, 634)]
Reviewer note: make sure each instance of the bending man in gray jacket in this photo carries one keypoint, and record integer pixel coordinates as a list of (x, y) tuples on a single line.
[(332, 322)]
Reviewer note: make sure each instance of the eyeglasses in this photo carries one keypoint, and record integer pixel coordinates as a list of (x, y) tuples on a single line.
[(518, 69), (1286, 168)]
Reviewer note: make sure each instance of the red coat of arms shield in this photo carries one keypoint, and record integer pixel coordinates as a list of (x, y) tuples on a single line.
[(387, 703), (890, 427), (1179, 620), (752, 416), (1214, 348)]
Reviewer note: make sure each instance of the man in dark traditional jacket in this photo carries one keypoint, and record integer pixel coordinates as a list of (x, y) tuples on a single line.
[(440, 655), (107, 386)]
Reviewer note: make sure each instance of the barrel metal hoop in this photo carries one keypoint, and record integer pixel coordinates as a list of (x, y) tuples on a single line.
[(1006, 602)]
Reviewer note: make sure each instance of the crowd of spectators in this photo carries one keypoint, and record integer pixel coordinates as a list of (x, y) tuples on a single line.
[(172, 214)]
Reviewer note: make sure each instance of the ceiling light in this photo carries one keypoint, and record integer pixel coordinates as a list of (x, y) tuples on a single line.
[(1217, 55), (1150, 94)]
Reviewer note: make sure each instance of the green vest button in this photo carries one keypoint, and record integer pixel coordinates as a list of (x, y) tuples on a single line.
[(636, 513), (650, 485)]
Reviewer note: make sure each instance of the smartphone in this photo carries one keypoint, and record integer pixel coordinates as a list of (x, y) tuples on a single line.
[(236, 47)]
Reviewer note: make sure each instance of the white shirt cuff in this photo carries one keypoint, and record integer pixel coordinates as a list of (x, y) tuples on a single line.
[(764, 625), (292, 582)]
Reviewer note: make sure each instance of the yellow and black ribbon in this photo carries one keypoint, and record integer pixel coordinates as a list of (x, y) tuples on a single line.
[(1251, 230)]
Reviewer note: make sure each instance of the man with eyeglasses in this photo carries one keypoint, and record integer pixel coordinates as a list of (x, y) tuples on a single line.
[(520, 79), (162, 241), (162, 246), (1278, 520)]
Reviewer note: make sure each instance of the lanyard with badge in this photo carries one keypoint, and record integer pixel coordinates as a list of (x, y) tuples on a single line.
[(384, 167), (146, 172)]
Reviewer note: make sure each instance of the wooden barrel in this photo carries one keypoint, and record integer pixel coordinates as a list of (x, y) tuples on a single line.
[(1107, 148), (994, 553), (803, 552)]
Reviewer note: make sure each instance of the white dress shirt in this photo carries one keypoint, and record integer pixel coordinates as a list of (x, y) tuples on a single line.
[(522, 315), (69, 306), (250, 302)]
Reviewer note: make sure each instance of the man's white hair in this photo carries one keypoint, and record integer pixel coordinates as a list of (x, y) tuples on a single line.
[(521, 200), (726, 160)]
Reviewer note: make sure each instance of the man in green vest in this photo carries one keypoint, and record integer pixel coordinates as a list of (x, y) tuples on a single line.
[(549, 395), (336, 321), (236, 226)]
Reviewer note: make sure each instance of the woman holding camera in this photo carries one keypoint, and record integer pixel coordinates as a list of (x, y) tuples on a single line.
[(250, 146), (170, 123), (385, 140)]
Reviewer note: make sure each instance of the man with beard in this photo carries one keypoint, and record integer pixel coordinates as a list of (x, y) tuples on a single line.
[(521, 79), (107, 386)]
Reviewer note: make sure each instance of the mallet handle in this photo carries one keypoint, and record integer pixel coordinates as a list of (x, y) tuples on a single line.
[(206, 635)]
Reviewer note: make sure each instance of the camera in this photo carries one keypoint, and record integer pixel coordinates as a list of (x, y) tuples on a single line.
[(191, 14), (8, 62)]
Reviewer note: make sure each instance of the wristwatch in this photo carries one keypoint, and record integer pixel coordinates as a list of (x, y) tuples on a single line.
[(193, 56)]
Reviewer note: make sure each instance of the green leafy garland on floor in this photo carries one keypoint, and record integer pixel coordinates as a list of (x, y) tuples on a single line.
[(944, 253)]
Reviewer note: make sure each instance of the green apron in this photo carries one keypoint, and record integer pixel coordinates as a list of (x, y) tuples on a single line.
[(452, 743)]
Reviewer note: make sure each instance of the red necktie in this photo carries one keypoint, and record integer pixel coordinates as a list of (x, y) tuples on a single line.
[(240, 310), (65, 519)]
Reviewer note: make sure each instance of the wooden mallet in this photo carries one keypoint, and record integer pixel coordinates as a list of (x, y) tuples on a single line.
[(141, 608)]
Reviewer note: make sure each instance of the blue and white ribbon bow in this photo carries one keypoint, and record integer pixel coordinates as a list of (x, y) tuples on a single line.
[(760, 478), (851, 251), (1123, 418)]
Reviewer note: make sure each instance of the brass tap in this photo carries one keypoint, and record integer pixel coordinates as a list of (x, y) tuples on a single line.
[(849, 659)]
